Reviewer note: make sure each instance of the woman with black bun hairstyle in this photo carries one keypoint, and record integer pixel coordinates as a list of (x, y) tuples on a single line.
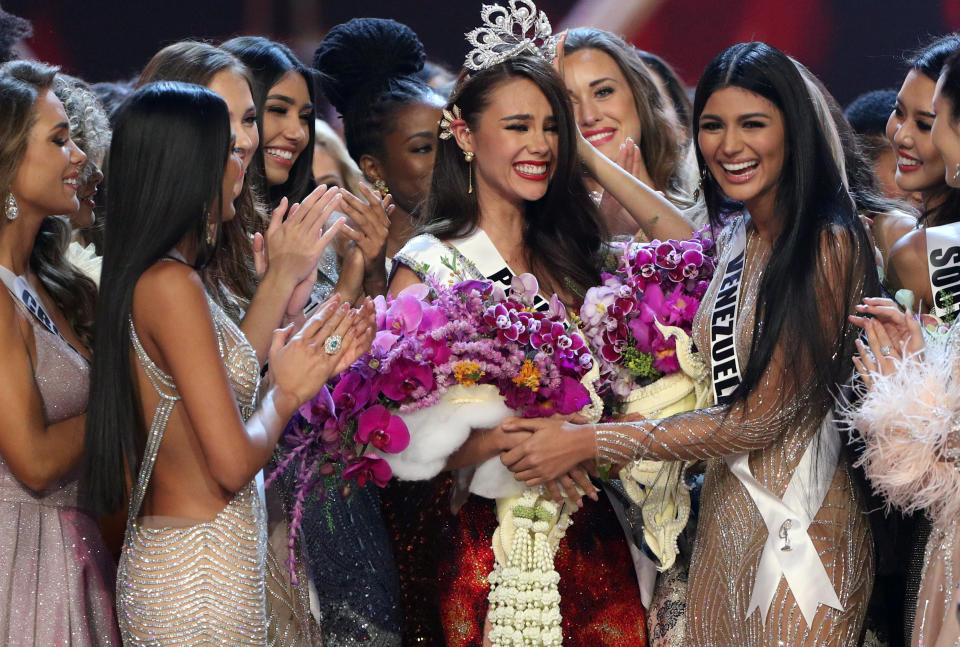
[(784, 553), (370, 71)]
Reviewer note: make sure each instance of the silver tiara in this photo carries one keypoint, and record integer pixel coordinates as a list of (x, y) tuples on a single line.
[(505, 34)]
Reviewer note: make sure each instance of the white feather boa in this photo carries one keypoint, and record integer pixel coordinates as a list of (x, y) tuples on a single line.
[(909, 424), (438, 431)]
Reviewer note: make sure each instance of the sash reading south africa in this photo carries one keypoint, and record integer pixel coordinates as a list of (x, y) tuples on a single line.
[(943, 263), (725, 367)]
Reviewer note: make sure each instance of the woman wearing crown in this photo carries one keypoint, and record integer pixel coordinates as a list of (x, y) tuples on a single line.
[(507, 198)]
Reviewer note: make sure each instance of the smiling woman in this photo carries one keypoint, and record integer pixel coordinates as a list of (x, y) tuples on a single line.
[(57, 576), (283, 94)]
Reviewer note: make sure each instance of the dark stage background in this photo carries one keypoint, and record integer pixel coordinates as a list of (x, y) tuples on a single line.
[(853, 45)]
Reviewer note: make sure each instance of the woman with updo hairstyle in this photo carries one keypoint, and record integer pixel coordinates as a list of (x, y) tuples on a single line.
[(90, 130), (56, 574), (617, 98), (370, 71)]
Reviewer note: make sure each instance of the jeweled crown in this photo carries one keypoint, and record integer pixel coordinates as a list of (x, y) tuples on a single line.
[(508, 33)]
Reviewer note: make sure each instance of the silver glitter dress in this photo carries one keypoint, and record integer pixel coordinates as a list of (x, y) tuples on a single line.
[(774, 428), (56, 574), (196, 583)]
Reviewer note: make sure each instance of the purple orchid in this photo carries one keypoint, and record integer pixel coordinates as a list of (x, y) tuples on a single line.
[(407, 375), (369, 467), (385, 431)]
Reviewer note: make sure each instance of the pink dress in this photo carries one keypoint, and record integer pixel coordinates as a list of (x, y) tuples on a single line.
[(56, 574)]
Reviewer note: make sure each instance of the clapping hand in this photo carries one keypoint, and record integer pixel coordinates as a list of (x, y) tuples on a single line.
[(330, 341), (370, 219)]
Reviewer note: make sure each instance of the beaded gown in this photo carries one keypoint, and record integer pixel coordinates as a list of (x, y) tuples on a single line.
[(57, 574), (774, 428), (346, 546), (185, 582), (600, 602)]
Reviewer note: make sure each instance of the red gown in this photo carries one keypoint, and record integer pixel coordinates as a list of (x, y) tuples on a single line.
[(599, 597)]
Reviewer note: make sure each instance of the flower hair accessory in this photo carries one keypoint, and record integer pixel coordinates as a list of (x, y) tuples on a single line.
[(521, 30), (450, 116)]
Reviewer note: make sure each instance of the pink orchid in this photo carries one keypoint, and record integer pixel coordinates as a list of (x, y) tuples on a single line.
[(406, 376), (525, 287), (369, 467), (404, 314), (386, 432)]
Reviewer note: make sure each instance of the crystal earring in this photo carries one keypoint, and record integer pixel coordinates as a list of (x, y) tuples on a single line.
[(12, 210), (956, 174), (468, 158), (211, 231), (381, 187)]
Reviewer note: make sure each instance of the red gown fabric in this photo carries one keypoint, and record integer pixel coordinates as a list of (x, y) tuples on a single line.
[(599, 597)]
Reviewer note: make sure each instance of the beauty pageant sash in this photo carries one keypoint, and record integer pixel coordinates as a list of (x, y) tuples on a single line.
[(788, 551), (724, 364), (943, 265), (476, 258), (24, 292)]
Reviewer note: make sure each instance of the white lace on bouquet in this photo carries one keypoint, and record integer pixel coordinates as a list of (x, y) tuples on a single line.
[(508, 33)]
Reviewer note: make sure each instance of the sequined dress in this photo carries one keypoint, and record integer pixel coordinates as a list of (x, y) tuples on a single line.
[(57, 574), (193, 582), (775, 428), (446, 572)]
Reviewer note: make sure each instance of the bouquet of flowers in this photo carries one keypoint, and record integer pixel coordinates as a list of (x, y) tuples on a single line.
[(656, 285), (640, 322), (467, 353)]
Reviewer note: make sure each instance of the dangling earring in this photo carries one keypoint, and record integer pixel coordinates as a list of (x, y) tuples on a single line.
[(704, 176), (956, 175), (468, 158), (381, 187), (12, 210), (211, 231)]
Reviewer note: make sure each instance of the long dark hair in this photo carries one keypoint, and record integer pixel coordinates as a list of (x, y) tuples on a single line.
[(929, 61), (820, 232), (232, 267), (369, 69), (660, 143), (862, 182), (268, 61), (21, 82), (950, 89), (156, 129), (564, 234)]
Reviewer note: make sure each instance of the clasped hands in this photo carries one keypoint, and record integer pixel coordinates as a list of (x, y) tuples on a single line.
[(557, 452)]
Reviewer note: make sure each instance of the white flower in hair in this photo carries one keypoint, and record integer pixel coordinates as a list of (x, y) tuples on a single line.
[(521, 30)]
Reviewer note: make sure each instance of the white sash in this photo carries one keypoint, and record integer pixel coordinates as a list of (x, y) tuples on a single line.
[(24, 292), (476, 252), (789, 551), (724, 364), (943, 265)]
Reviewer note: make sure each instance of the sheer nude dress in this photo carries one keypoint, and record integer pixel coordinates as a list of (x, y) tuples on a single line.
[(775, 427)]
